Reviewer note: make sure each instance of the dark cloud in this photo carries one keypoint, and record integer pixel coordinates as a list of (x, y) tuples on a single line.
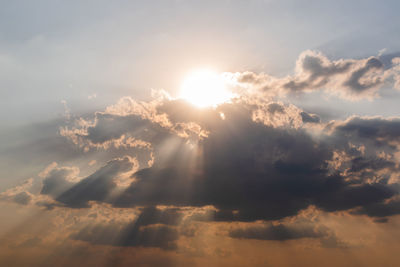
[(153, 215), (317, 70), (381, 220), (96, 187), (247, 169), (56, 181), (354, 81), (351, 196), (352, 77), (311, 118), (19, 194), (377, 129), (381, 209), (153, 228), (361, 163), (279, 232), (275, 107), (161, 236), (368, 148), (22, 198), (251, 171), (298, 229)]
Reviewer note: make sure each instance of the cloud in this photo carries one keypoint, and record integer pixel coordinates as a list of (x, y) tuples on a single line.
[(380, 130), (19, 194), (313, 70), (354, 82), (310, 118), (95, 187), (258, 163), (22, 198), (395, 72), (129, 236), (382, 209), (295, 228), (347, 78), (130, 124), (279, 232), (153, 228), (367, 149), (253, 171), (57, 180), (152, 215)]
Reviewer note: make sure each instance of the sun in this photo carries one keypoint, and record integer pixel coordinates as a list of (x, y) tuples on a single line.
[(204, 88)]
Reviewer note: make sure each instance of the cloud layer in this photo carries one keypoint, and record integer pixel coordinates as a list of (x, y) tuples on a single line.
[(252, 166)]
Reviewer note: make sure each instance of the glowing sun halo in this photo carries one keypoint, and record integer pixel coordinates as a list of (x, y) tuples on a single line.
[(204, 88)]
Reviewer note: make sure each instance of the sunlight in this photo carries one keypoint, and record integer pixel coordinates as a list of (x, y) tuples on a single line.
[(204, 88)]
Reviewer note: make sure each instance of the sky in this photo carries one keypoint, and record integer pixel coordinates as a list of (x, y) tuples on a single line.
[(218, 133)]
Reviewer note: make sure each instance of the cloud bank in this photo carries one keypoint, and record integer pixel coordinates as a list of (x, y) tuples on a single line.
[(256, 162)]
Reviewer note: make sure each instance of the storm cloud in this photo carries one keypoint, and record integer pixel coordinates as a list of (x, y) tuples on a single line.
[(247, 169)]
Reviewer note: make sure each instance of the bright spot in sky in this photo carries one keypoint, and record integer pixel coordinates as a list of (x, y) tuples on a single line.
[(204, 88)]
